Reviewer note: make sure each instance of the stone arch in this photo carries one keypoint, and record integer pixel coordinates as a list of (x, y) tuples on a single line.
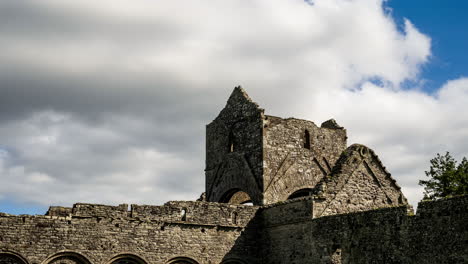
[(233, 261), (127, 258), (236, 196), (12, 258), (182, 260), (67, 258), (301, 193)]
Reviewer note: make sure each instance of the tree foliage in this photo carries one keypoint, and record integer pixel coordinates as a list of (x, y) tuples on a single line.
[(447, 178)]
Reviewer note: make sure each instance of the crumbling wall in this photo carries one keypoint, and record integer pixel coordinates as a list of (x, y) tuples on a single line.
[(436, 234), (298, 154)]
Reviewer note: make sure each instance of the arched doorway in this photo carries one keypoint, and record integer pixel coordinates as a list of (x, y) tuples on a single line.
[(11, 258), (236, 196), (301, 193)]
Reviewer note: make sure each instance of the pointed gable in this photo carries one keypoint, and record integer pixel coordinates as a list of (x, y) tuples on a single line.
[(239, 106), (358, 182)]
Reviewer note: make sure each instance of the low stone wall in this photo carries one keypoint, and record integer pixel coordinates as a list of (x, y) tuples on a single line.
[(208, 233)]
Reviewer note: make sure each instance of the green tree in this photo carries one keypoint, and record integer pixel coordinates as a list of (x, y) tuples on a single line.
[(447, 178)]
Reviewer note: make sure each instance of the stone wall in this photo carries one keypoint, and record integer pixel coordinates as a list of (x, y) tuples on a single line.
[(285, 232), (207, 233), (358, 182), (298, 154), (438, 233), (266, 157), (234, 150)]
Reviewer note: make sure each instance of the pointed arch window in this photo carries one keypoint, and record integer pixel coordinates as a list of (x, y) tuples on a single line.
[(231, 143)]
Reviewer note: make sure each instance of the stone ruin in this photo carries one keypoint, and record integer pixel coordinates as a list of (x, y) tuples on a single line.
[(277, 191)]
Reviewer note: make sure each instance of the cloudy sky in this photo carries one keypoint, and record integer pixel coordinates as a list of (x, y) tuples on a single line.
[(107, 101)]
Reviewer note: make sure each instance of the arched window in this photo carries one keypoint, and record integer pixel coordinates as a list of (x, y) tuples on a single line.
[(182, 260), (67, 258), (301, 193), (306, 139), (11, 258), (236, 196), (127, 259)]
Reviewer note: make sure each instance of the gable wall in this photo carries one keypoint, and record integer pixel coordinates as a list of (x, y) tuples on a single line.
[(358, 182), (288, 165)]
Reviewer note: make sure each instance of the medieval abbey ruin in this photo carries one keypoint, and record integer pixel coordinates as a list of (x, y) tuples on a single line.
[(277, 191)]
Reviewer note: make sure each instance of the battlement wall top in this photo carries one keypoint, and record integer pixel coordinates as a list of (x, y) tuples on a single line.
[(99, 210), (197, 212), (183, 212)]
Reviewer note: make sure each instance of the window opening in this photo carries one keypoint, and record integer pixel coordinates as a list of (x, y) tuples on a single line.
[(231, 146), (301, 193), (236, 196), (183, 214), (306, 139)]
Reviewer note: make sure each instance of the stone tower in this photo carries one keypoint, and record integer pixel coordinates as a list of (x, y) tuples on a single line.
[(253, 157), (260, 159)]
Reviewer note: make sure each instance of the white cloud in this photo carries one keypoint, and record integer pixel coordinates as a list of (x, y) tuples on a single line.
[(84, 163), (107, 101), (405, 127)]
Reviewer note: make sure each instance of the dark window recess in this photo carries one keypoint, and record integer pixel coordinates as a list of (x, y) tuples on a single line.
[(234, 218), (301, 193), (306, 139)]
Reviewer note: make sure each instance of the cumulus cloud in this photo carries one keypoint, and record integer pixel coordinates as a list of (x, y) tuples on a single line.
[(106, 101), (58, 159)]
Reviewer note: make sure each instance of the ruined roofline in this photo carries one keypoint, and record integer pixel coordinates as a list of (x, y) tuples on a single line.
[(240, 92), (360, 148), (330, 123), (354, 158), (238, 96)]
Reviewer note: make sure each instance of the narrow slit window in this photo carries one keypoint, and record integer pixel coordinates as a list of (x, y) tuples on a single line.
[(234, 218), (231, 147), (306, 139)]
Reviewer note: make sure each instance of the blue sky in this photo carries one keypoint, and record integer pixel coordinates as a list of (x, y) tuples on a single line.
[(446, 22), (106, 102)]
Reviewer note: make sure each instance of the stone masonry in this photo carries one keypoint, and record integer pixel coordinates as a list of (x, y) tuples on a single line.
[(277, 191)]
